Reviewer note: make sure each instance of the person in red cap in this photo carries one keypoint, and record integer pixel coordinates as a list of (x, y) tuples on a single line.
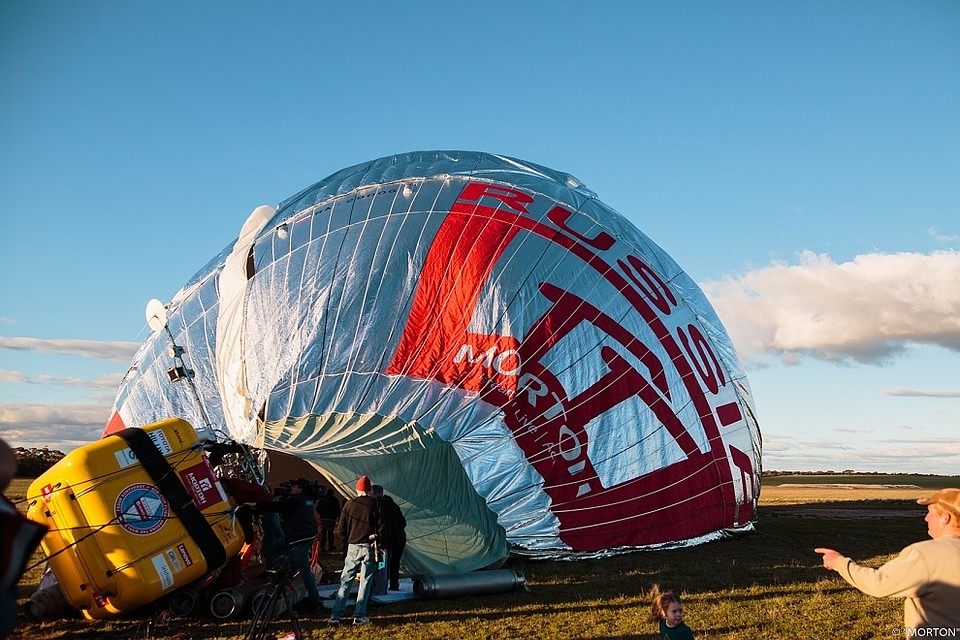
[(360, 526), (926, 573)]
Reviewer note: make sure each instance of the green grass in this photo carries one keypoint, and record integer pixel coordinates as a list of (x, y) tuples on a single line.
[(766, 585)]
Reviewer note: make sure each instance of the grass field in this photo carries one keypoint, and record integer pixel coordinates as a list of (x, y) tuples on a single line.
[(769, 584)]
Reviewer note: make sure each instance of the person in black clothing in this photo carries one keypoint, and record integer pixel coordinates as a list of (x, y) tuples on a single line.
[(359, 528), (19, 537), (299, 530), (247, 494), (328, 509), (395, 535)]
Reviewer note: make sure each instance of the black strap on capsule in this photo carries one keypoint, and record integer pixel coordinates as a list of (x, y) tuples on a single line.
[(169, 484)]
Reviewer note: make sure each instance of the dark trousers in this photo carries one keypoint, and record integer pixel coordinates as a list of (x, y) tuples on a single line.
[(394, 559), (300, 556), (273, 540), (326, 535)]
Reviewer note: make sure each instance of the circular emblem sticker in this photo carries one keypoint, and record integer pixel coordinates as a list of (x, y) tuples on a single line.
[(141, 509)]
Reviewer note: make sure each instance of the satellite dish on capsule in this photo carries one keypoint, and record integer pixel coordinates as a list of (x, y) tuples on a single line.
[(156, 314)]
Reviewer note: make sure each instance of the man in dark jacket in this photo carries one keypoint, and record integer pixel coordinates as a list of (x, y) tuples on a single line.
[(397, 542), (394, 539), (328, 509), (359, 528), (299, 530)]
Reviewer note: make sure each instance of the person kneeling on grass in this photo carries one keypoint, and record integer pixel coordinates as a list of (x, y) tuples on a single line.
[(926, 573), (667, 609)]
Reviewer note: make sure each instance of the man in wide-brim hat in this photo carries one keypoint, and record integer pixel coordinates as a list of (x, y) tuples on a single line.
[(926, 573)]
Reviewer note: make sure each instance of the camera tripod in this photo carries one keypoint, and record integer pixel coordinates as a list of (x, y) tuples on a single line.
[(277, 594)]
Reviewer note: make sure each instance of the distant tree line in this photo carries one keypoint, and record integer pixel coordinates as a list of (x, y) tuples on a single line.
[(33, 462), (831, 472)]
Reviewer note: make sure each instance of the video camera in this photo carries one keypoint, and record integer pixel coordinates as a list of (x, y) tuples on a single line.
[(311, 488)]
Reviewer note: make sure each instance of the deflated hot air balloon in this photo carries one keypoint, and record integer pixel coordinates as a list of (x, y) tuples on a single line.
[(519, 366)]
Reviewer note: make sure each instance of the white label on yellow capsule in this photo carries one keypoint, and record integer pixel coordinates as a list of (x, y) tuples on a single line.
[(126, 457), (174, 560), (163, 570)]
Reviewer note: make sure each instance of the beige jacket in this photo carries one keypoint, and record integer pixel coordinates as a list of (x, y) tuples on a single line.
[(927, 574)]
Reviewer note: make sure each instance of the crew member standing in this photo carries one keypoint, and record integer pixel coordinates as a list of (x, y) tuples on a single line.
[(359, 527), (299, 530), (328, 510), (395, 541)]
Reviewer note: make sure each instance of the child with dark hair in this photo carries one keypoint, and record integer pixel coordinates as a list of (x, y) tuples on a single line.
[(667, 609)]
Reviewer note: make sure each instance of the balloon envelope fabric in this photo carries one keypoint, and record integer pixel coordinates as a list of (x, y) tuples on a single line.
[(520, 367)]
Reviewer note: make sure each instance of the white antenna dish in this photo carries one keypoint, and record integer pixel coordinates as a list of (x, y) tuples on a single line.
[(156, 315)]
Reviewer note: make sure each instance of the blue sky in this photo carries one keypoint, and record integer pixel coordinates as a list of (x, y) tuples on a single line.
[(800, 160)]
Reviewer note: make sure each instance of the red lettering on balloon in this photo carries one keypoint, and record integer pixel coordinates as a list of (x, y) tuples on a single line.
[(559, 216), (516, 200), (729, 414), (745, 466), (688, 497), (703, 358), (649, 283), (442, 305)]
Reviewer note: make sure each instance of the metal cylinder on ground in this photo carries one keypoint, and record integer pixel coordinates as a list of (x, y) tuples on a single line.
[(185, 602), (48, 602), (232, 601), (292, 592), (476, 583)]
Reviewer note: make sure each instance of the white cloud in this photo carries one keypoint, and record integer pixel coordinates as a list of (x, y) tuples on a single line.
[(924, 440), (115, 351), (774, 446), (922, 393), (110, 382), (931, 454), (6, 320), (33, 415), (867, 310), (57, 426), (12, 377), (945, 238)]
